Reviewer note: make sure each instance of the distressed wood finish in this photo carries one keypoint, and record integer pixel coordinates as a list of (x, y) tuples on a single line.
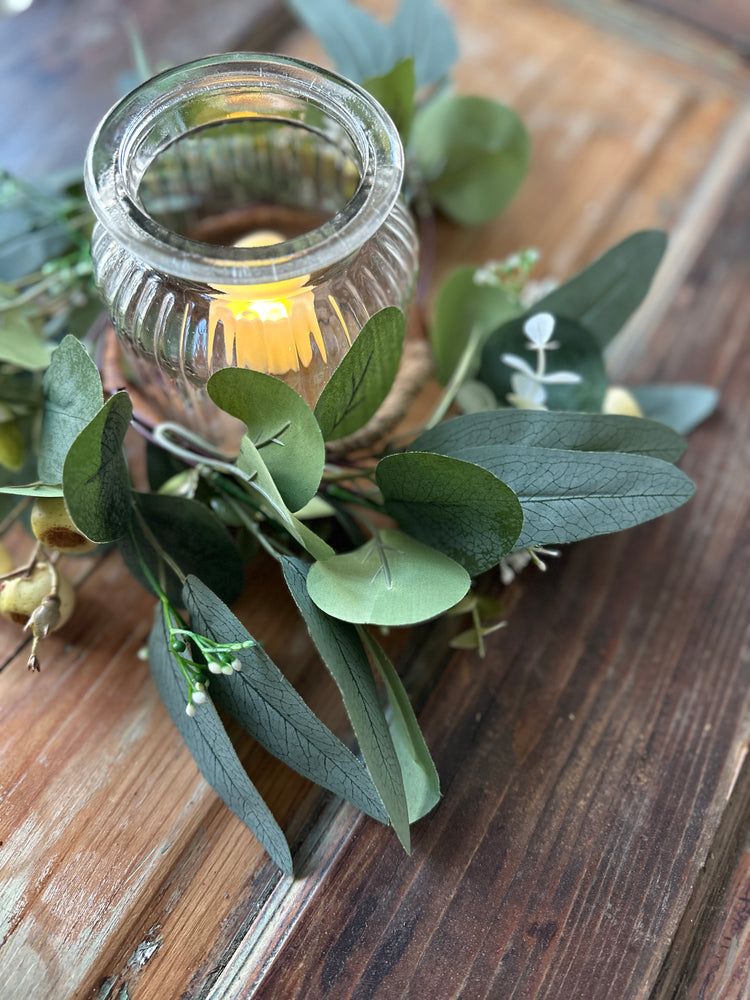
[(592, 764)]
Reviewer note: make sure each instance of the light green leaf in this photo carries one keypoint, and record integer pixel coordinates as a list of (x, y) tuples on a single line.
[(33, 490), (578, 352), (281, 426), (464, 308), (391, 580), (95, 475), (473, 153), (395, 91), (21, 341), (259, 479), (362, 47), (195, 539), (461, 509), (363, 379), (341, 649), (604, 295), (569, 495), (212, 750), (681, 406), (569, 431), (72, 397), (263, 701), (421, 781)]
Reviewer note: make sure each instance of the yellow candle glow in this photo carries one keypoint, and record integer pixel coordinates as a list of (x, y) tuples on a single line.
[(271, 327)]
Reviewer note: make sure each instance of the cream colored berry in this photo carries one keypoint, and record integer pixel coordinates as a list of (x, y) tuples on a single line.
[(54, 527), (620, 401), (21, 595), (6, 560)]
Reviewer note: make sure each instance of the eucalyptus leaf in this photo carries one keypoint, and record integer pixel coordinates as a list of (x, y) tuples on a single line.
[(459, 508), (343, 654), (192, 536), (363, 379), (281, 426), (395, 91), (263, 701), (473, 153), (22, 342), (33, 490), (569, 431), (679, 406), (259, 480), (569, 495), (363, 48), (72, 397), (393, 579), (95, 474), (212, 750), (421, 781), (578, 352), (604, 295), (463, 308)]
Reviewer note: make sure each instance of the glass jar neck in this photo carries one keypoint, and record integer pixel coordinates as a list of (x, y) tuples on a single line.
[(242, 88)]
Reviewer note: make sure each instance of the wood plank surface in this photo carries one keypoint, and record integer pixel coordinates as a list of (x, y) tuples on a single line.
[(588, 764)]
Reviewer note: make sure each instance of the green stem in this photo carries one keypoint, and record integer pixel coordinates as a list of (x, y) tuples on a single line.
[(457, 378)]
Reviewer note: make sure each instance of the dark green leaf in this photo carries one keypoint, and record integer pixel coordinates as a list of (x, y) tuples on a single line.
[(421, 781), (473, 153), (363, 379), (604, 295), (391, 580), (73, 396), (570, 431), (569, 495), (578, 352), (341, 649), (680, 406), (395, 91), (281, 426), (212, 750), (265, 703), (453, 506), (95, 475), (192, 536), (464, 308)]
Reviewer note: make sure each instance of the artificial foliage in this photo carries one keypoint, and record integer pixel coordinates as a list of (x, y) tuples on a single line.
[(518, 457)]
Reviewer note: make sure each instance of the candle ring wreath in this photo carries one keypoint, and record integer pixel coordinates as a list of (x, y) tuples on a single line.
[(525, 447)]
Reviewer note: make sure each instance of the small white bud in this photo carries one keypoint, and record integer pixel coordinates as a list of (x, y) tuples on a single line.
[(236, 665), (190, 709), (226, 668), (215, 667), (539, 328), (199, 697)]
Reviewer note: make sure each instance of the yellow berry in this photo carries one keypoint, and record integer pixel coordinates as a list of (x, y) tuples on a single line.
[(11, 445), (620, 401), (6, 560), (22, 595), (54, 527)]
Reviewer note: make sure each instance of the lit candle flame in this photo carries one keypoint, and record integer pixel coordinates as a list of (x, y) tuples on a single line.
[(271, 327)]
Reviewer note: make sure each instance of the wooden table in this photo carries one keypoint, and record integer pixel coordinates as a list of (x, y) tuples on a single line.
[(591, 840)]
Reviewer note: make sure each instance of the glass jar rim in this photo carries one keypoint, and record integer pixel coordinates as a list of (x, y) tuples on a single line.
[(112, 186)]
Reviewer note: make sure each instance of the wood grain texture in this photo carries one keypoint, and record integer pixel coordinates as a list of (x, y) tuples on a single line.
[(727, 19), (586, 763)]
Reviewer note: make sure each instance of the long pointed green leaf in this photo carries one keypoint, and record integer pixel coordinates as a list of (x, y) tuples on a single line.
[(569, 431), (212, 750), (421, 780), (341, 649), (265, 703)]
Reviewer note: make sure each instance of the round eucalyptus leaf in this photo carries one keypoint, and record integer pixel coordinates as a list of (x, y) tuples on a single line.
[(473, 152), (391, 580)]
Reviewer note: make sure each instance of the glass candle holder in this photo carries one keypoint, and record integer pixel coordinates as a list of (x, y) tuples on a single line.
[(248, 215)]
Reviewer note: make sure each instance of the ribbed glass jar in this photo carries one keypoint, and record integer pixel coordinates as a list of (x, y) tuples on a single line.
[(248, 215)]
